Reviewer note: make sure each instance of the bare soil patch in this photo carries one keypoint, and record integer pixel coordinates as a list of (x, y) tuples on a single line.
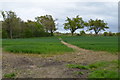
[(27, 66)]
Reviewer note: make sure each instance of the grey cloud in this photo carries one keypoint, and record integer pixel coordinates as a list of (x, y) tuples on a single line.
[(61, 10)]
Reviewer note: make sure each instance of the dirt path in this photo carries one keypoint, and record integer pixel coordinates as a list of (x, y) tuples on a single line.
[(86, 56), (35, 66)]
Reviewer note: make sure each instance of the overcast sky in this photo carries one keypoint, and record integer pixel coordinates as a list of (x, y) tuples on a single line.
[(60, 9)]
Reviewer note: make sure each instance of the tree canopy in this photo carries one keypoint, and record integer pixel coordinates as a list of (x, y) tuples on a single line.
[(14, 27), (74, 24), (10, 23), (97, 25), (48, 22)]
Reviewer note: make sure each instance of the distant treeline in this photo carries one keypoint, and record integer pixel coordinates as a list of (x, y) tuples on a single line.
[(42, 26), (14, 27)]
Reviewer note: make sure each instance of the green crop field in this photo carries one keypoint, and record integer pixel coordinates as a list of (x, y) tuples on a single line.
[(42, 45), (53, 45), (97, 43)]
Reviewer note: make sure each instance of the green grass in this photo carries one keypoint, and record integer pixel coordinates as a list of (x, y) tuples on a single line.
[(79, 72), (98, 64), (77, 66), (44, 45), (10, 75), (100, 69), (104, 69), (104, 74), (97, 43)]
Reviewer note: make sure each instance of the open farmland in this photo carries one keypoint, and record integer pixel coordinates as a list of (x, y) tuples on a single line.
[(45, 45), (79, 63), (59, 39), (97, 43)]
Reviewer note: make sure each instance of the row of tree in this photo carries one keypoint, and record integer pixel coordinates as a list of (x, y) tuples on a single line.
[(14, 27), (78, 23)]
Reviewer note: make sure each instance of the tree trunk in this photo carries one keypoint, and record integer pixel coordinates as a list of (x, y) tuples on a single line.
[(9, 30), (96, 32), (11, 34), (72, 33), (51, 33)]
